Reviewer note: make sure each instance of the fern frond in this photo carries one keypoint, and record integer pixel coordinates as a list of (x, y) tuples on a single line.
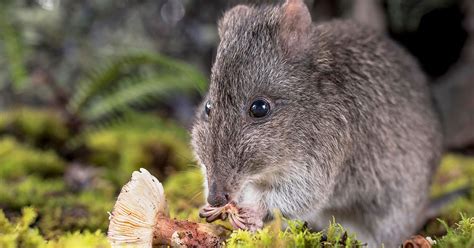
[(110, 74), (137, 91)]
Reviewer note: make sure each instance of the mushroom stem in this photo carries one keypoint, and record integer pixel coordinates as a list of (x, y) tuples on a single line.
[(181, 233), (140, 219)]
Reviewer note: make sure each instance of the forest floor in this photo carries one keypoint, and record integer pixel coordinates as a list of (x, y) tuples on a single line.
[(56, 193)]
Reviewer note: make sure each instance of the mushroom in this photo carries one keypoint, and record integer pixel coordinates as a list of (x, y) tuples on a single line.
[(140, 218)]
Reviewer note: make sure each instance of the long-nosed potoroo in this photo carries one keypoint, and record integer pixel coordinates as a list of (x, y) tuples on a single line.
[(317, 120)]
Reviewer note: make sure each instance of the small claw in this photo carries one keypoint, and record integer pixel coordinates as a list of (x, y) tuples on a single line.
[(216, 215), (236, 222), (245, 215), (208, 211), (239, 218), (201, 214), (212, 213)]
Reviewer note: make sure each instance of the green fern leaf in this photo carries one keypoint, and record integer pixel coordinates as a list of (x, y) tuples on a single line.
[(140, 91), (121, 67)]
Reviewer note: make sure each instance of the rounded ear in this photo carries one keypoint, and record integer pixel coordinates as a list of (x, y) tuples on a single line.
[(231, 16), (295, 25)]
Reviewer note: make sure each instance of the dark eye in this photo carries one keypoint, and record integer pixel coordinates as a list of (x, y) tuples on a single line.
[(259, 108), (207, 108)]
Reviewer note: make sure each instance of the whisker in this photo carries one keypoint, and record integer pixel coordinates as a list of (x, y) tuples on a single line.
[(196, 195)]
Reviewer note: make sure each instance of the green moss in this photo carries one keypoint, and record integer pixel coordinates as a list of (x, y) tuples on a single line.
[(29, 191), (295, 235), (86, 211), (44, 128), (462, 235), (19, 233), (59, 209), (455, 172), (80, 240), (19, 160)]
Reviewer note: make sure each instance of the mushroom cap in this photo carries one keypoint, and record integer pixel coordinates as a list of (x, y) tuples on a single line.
[(133, 218)]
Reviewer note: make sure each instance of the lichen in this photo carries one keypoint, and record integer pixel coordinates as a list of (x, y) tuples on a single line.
[(60, 210)]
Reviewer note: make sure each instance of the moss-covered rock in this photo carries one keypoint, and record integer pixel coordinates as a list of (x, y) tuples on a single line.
[(85, 211), (30, 191), (38, 127), (59, 209), (18, 160)]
